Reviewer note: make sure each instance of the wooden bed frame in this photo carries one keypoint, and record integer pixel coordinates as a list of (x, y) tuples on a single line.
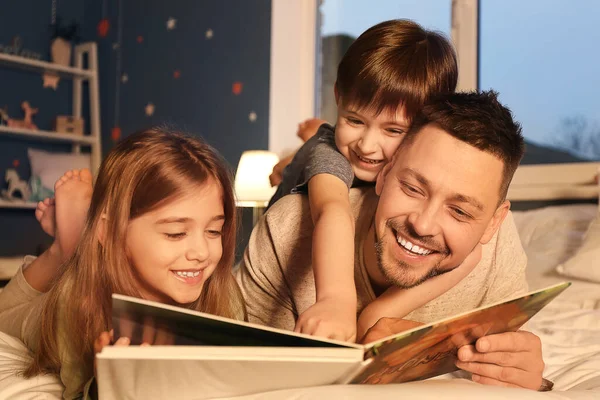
[(555, 182)]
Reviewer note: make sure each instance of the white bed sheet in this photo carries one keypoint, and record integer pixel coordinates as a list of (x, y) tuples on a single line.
[(569, 328)]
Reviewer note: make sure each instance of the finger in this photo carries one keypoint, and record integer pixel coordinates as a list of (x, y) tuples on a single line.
[(511, 375), (126, 327), (163, 338), (327, 331), (148, 330), (101, 341), (502, 358), (509, 341), (122, 341), (484, 380)]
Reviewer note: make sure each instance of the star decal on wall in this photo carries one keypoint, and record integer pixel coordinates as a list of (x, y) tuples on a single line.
[(150, 109), (171, 23)]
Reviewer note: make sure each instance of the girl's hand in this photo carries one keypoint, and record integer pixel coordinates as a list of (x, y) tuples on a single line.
[(105, 339)]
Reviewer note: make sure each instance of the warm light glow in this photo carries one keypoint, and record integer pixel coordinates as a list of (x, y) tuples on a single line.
[(252, 177)]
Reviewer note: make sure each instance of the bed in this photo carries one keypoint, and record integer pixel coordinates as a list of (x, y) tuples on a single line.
[(558, 237)]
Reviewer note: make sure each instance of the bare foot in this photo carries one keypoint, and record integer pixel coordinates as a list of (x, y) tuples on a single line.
[(44, 213), (73, 194)]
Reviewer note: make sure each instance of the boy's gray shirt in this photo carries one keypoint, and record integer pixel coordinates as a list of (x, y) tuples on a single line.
[(319, 155)]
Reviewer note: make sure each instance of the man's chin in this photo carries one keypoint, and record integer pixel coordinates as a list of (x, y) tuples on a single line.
[(407, 277)]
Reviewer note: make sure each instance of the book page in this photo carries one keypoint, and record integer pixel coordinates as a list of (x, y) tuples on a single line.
[(160, 324), (431, 350)]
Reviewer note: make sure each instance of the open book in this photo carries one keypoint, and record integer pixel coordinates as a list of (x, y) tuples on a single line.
[(204, 356)]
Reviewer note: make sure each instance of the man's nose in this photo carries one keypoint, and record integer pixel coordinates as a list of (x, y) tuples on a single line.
[(425, 221)]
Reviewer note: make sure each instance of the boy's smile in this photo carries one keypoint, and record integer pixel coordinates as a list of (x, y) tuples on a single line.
[(367, 139)]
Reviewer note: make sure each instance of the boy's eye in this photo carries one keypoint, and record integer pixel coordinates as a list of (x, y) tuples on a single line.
[(396, 131), (178, 235), (354, 121)]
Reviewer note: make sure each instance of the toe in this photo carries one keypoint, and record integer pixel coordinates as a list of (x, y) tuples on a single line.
[(86, 175)]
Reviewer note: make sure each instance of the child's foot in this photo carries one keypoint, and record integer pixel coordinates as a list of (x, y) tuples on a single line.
[(44, 213), (73, 194)]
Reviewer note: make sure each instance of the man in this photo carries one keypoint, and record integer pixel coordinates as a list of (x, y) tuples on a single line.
[(445, 192)]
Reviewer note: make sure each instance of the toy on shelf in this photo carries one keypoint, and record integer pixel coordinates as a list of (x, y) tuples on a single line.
[(15, 185), (3, 116), (60, 49), (27, 122), (69, 124)]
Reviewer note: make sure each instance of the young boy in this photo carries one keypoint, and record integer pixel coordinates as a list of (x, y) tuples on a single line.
[(384, 78)]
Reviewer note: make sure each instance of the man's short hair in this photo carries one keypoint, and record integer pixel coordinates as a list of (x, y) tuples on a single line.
[(396, 63), (478, 119)]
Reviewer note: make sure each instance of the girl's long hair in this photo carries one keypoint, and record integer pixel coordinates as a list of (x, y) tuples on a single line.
[(142, 173)]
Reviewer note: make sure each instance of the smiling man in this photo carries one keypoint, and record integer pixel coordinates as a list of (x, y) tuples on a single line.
[(443, 194)]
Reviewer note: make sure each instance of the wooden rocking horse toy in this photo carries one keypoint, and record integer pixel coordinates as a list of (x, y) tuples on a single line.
[(27, 122), (15, 185)]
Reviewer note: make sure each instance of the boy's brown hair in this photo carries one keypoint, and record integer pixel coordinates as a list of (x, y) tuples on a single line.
[(396, 63)]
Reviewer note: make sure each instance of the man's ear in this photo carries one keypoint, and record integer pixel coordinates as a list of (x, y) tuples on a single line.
[(381, 177), (337, 94), (495, 222), (102, 227)]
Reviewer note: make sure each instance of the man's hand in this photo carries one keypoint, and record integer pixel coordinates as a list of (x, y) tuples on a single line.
[(330, 318), (387, 327), (512, 359)]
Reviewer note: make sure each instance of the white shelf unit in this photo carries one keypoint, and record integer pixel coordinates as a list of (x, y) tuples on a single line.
[(79, 74)]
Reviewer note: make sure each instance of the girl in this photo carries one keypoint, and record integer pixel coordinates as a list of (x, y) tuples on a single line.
[(161, 226)]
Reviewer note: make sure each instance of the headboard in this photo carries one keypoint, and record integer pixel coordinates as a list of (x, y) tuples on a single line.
[(575, 181)]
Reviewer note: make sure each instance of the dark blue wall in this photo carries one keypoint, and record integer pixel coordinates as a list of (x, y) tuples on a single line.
[(201, 101)]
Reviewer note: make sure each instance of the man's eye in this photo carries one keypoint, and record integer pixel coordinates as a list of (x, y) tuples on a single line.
[(409, 189), (460, 214), (178, 235)]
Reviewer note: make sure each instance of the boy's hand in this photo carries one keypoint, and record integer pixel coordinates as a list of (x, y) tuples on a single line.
[(330, 318), (512, 359)]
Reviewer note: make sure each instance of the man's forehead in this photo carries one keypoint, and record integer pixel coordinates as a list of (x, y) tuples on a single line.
[(445, 162)]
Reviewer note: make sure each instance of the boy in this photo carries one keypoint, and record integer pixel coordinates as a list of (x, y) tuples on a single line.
[(384, 78)]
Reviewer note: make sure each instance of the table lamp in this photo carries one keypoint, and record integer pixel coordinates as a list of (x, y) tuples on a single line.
[(252, 187)]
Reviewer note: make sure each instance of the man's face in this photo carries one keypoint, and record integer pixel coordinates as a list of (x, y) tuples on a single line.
[(437, 201)]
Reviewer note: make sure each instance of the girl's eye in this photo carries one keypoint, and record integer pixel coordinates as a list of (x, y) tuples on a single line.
[(175, 235), (214, 233)]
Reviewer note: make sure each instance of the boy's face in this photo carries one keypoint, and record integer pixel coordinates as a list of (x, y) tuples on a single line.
[(437, 201), (368, 140)]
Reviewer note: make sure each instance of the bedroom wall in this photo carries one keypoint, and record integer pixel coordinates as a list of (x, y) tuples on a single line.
[(30, 21), (207, 73)]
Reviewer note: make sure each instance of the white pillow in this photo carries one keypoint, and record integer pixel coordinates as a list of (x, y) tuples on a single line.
[(585, 264), (48, 166)]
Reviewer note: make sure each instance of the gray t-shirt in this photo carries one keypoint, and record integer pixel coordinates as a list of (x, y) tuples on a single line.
[(319, 155)]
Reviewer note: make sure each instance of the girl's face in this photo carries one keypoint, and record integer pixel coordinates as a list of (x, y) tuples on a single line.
[(175, 248)]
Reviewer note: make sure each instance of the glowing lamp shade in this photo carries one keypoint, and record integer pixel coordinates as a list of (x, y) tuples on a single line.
[(252, 177)]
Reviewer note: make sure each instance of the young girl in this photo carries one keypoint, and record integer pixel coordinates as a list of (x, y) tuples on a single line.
[(161, 226)]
